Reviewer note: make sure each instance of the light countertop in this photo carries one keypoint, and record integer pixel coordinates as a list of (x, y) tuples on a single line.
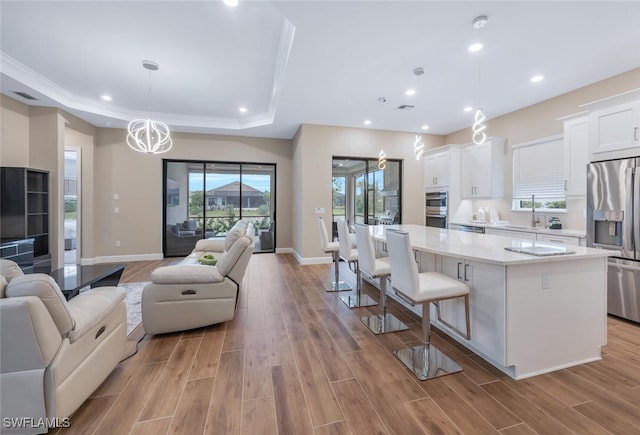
[(525, 229), (486, 248)]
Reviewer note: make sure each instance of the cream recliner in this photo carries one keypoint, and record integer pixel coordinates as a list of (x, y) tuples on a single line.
[(54, 353), (191, 295)]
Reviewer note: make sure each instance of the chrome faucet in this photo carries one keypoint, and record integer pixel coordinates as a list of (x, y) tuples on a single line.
[(534, 221)]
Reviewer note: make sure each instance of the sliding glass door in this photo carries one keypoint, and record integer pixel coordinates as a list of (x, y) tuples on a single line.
[(204, 199), (367, 194)]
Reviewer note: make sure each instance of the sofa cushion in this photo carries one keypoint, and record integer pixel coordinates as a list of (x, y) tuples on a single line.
[(210, 245), (92, 307), (44, 287), (237, 231), (186, 274), (189, 225), (10, 269), (226, 263), (3, 285)]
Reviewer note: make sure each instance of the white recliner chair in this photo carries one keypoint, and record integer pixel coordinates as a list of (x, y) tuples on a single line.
[(54, 353), (191, 295)]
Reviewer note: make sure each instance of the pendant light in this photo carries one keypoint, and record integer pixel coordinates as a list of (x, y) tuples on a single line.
[(418, 147), (146, 135), (382, 160), (479, 136)]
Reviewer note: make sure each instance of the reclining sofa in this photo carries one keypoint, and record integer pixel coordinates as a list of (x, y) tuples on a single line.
[(191, 295), (54, 353)]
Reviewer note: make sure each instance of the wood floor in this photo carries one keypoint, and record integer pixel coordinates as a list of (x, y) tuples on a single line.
[(296, 360)]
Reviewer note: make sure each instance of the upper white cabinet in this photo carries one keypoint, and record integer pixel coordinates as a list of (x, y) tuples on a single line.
[(576, 156), (436, 169), (482, 170), (614, 126)]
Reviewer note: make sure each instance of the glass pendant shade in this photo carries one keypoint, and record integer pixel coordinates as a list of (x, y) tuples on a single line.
[(148, 136)]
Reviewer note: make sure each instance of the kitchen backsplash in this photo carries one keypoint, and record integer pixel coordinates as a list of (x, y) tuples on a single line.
[(574, 218)]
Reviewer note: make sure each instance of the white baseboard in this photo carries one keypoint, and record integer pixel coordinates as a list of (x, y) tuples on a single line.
[(285, 251), (312, 260), (120, 258)]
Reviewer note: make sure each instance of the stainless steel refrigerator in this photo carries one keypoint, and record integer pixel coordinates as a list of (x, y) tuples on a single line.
[(613, 222)]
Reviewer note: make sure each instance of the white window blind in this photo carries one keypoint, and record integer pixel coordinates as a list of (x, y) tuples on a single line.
[(538, 169)]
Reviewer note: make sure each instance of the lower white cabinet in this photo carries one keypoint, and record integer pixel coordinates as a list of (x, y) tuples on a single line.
[(487, 304), (522, 235), (565, 240)]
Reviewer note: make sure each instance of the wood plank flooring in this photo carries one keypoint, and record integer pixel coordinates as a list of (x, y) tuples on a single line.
[(296, 360)]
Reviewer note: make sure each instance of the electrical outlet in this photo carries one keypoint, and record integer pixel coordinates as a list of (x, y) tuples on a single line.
[(545, 281), (117, 243), (116, 196), (116, 209), (319, 210)]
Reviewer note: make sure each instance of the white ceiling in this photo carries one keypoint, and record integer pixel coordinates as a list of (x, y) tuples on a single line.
[(319, 62)]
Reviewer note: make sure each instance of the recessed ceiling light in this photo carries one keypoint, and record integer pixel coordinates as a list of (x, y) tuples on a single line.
[(537, 78), (231, 3), (410, 92), (243, 110), (106, 97), (367, 122), (425, 127), (468, 109), (475, 47)]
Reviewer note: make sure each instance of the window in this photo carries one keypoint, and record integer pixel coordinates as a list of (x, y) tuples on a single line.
[(538, 170)]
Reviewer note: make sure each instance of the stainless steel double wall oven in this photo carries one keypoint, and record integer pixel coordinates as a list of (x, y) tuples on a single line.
[(436, 209)]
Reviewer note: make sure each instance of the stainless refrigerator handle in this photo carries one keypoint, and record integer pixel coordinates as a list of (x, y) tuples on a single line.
[(628, 239), (636, 212)]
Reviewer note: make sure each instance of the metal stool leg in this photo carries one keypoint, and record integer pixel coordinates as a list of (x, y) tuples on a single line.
[(336, 285), (359, 299), (383, 322), (425, 360)]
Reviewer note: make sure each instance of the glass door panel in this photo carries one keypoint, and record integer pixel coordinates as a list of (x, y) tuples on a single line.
[(222, 198), (258, 203), (184, 188)]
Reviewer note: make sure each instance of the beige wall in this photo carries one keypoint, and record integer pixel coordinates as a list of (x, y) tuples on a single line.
[(14, 133), (539, 121), (314, 148), (137, 180)]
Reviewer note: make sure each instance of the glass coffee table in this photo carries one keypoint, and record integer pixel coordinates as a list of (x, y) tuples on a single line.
[(72, 278)]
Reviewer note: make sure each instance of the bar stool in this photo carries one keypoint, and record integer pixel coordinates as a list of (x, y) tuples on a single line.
[(333, 248), (350, 255), (425, 360), (372, 267)]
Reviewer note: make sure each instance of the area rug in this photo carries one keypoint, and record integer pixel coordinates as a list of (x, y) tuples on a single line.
[(132, 300), (135, 332)]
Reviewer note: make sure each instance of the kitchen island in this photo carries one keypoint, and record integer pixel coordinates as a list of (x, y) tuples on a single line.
[(529, 314)]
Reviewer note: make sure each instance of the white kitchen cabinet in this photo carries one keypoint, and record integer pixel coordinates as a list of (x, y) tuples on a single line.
[(565, 240), (487, 302), (576, 156), (521, 235), (482, 170), (436, 170), (616, 128)]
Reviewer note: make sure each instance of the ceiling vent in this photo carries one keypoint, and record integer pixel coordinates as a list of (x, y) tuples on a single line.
[(25, 95), (405, 107)]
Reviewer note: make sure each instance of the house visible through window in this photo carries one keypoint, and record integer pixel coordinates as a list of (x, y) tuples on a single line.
[(538, 171)]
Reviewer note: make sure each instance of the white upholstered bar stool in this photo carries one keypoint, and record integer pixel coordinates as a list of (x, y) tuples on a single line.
[(332, 248), (349, 254), (372, 267), (425, 360)]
